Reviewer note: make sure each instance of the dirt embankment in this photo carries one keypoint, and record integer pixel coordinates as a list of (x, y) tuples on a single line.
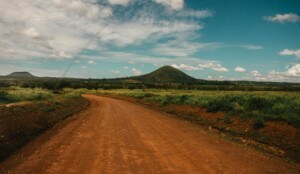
[(22, 122), (278, 138), (115, 136)]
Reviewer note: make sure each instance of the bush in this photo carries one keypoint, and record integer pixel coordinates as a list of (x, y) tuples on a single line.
[(257, 103), (259, 123), (227, 119), (219, 104), (4, 97)]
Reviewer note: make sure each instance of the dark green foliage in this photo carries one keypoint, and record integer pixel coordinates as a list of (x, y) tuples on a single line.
[(257, 103), (49, 108), (4, 97), (227, 119), (258, 137), (259, 123)]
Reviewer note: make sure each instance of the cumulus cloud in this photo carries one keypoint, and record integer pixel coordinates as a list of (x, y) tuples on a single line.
[(213, 66), (239, 69), (294, 71), (185, 67), (255, 73), (291, 75), (283, 18), (136, 72), (287, 52), (173, 4), (210, 65)]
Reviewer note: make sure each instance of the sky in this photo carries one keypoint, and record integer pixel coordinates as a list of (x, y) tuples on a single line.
[(207, 39)]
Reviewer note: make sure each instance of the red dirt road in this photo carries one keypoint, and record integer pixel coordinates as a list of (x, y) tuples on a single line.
[(114, 136)]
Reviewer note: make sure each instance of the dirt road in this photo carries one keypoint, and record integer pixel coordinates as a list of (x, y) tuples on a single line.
[(114, 136)]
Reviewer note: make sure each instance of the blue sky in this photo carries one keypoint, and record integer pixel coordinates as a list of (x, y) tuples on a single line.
[(208, 39)]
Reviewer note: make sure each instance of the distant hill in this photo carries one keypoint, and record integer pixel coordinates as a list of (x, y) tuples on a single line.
[(166, 74), (20, 74)]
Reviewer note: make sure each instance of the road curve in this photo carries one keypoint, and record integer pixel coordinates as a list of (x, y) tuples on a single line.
[(115, 136)]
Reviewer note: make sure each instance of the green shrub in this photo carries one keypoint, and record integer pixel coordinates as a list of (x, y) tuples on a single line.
[(227, 119), (259, 123), (4, 97), (49, 108), (257, 103), (219, 104)]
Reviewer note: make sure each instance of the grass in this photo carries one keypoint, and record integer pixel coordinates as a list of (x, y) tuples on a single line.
[(256, 106), (17, 94)]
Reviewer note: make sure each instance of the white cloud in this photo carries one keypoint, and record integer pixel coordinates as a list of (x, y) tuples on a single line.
[(255, 73), (210, 65), (173, 4), (136, 72), (195, 13), (125, 67), (253, 47), (182, 48), (134, 32), (291, 75), (31, 32), (83, 67), (115, 72), (119, 2), (294, 71), (92, 62), (185, 67), (287, 52), (213, 66), (283, 18), (239, 69), (39, 29), (62, 55)]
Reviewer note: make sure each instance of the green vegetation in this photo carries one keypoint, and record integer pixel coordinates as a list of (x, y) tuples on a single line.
[(17, 94), (22, 122), (256, 106)]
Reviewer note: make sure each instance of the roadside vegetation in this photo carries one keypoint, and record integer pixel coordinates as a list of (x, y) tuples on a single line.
[(257, 106), (22, 122), (17, 94), (266, 120)]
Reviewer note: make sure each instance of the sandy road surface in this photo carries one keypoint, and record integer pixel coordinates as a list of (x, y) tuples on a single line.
[(114, 136)]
